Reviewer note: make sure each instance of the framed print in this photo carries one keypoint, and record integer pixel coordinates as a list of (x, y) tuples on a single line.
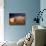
[(17, 18)]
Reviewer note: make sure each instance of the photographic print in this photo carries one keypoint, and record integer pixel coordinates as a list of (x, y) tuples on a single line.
[(17, 18)]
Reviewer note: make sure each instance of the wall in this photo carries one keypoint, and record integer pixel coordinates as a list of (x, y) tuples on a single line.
[(1, 21), (43, 6), (29, 7)]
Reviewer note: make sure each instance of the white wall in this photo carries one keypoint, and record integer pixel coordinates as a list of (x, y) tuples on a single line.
[(1, 21), (43, 6)]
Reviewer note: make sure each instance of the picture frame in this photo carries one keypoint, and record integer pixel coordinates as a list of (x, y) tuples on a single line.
[(17, 18)]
